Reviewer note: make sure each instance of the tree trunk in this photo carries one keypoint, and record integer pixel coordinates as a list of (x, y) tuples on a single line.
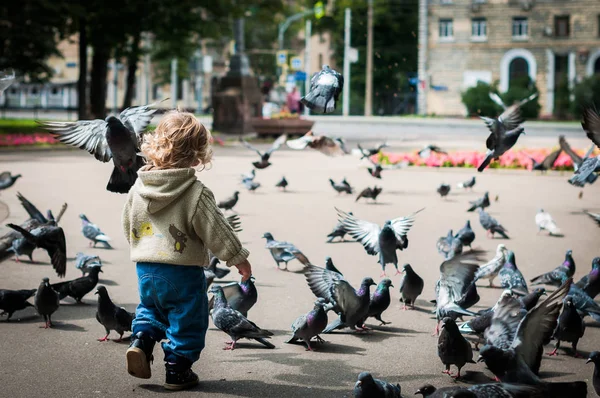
[(82, 81), (132, 61), (98, 83)]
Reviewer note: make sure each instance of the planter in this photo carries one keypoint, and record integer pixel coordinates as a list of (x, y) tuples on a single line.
[(276, 127)]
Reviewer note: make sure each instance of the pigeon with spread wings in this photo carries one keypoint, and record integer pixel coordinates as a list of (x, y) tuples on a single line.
[(326, 145), (380, 240), (118, 138), (590, 165), (547, 163), (52, 239), (325, 89), (265, 156)]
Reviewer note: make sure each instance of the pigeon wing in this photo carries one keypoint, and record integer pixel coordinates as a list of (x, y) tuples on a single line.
[(137, 118), (564, 145), (591, 125), (345, 296), (511, 118), (31, 209), (402, 225), (123, 317), (367, 233), (456, 274), (249, 146), (89, 135), (321, 281), (278, 143), (549, 161), (505, 321), (56, 245), (299, 143)]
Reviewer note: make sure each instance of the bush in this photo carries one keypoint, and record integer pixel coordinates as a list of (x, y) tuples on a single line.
[(587, 94), (520, 90), (478, 102)]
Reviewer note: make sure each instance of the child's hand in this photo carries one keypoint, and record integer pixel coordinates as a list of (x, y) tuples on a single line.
[(245, 270)]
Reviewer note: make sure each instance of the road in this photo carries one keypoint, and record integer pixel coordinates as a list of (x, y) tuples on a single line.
[(67, 361)]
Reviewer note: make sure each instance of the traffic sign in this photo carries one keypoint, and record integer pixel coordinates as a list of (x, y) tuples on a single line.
[(319, 10), (296, 63), (300, 76), (281, 58), (291, 79)]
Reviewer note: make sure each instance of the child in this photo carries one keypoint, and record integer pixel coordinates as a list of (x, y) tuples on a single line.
[(171, 221)]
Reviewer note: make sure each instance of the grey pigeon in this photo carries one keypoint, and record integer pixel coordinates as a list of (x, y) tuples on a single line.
[(491, 225), (118, 138), (453, 348), (590, 165), (595, 358), (382, 241), (265, 156), (590, 283), (310, 325), (376, 170), (251, 185), (22, 247), (341, 187), (283, 183), (234, 323), (46, 301), (249, 176), (586, 306), (326, 145), (112, 317), (558, 274), (594, 216), (429, 149), (229, 203), (84, 262), (490, 270), (240, 296), (351, 305), (78, 288), (467, 184), (411, 287), (7, 77), (14, 300), (284, 252), (510, 276), (50, 238), (93, 233), (369, 387), (480, 203), (570, 327), (369, 193), (449, 245), (380, 300), (547, 163), (325, 89), (443, 190), (429, 391), (368, 152), (212, 271), (544, 221), (498, 390), (7, 180), (578, 160), (466, 234), (507, 314), (339, 231), (530, 300)]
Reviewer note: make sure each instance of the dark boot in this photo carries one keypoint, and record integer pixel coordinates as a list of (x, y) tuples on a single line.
[(139, 355), (179, 377)]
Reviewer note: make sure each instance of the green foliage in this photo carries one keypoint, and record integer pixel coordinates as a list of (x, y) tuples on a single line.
[(587, 94), (520, 90), (478, 102)]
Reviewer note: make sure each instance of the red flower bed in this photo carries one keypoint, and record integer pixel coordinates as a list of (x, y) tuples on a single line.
[(7, 140)]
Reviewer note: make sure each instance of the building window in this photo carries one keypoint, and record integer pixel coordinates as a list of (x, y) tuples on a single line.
[(518, 72), (561, 26), (478, 29), (446, 29), (520, 28)]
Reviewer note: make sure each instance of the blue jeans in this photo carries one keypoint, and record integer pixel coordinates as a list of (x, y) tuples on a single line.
[(174, 306)]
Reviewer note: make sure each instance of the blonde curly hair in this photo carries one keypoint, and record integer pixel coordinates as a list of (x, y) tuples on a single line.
[(179, 141)]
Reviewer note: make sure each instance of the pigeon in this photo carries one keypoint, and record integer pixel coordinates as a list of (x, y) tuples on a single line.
[(22, 247), (376, 170), (570, 327), (249, 176), (547, 163), (544, 221), (212, 271), (235, 223), (112, 317), (380, 301), (429, 391), (14, 300), (367, 153), (411, 287), (595, 358), (341, 187), (382, 241), (7, 180), (46, 301), (490, 270), (118, 138), (229, 203), (594, 216), (443, 190), (530, 300), (429, 149), (307, 326), (498, 390), (510, 276), (466, 235), (556, 276), (284, 252), (77, 288), (370, 193), (467, 184), (251, 185), (351, 305), (50, 238), (586, 306), (481, 203), (576, 159), (37, 215), (236, 325), (326, 145), (589, 165), (590, 283), (491, 225), (85, 262), (339, 231), (7, 77), (325, 89), (283, 183), (449, 245), (265, 156), (93, 233), (369, 387), (241, 296), (453, 348)]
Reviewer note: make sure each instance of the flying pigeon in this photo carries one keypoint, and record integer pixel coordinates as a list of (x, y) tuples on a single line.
[(265, 156), (576, 159), (595, 358), (411, 287), (341, 187), (85, 262), (481, 203), (382, 241), (77, 288), (118, 138), (491, 225), (37, 215), (380, 300), (490, 270), (466, 235), (429, 149), (93, 233), (369, 387), (50, 238), (7, 180), (229, 203), (556, 276), (594, 216), (547, 163), (339, 231), (284, 252), (453, 348), (589, 165), (376, 170), (544, 221), (307, 326), (251, 185), (234, 323), (443, 190), (570, 327), (325, 89), (7, 77), (368, 152), (370, 193), (326, 145), (283, 183), (112, 317), (449, 245), (510, 276), (240, 297), (14, 300), (467, 184), (46, 301), (590, 283)]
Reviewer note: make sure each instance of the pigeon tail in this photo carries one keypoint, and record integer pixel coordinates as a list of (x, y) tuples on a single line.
[(501, 233), (121, 182), (486, 162), (465, 328), (337, 324), (265, 342)]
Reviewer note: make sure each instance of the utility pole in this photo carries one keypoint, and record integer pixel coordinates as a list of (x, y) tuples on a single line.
[(346, 92), (369, 80), (115, 68), (174, 83), (308, 34)]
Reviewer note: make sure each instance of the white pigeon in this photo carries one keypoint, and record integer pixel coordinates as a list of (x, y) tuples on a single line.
[(492, 268), (544, 221)]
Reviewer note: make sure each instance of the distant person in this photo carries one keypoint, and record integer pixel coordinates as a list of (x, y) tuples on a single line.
[(293, 101), (171, 221)]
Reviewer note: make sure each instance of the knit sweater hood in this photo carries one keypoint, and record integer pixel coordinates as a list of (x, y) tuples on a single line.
[(160, 188)]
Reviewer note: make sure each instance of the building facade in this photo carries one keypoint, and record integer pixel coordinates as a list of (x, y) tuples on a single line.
[(462, 42)]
